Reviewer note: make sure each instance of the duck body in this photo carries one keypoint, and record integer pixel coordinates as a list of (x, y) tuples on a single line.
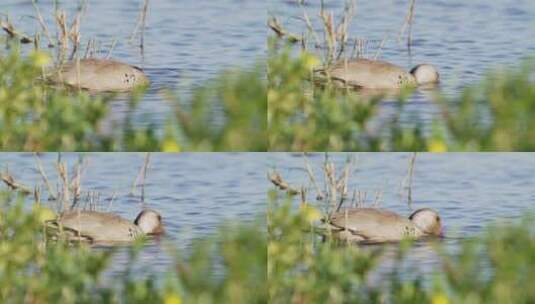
[(369, 225), (101, 228), (378, 75), (370, 74), (100, 75)]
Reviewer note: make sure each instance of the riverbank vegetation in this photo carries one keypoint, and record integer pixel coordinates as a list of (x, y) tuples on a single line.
[(242, 263), (495, 267), (226, 113), (307, 265), (38, 265), (33, 270), (36, 117), (493, 115)]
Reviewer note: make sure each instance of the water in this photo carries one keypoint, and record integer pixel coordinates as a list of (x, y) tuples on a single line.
[(186, 42), (468, 190), (463, 39), (195, 193)]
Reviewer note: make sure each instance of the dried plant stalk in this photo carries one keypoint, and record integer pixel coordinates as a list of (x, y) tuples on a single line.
[(277, 180), (14, 185)]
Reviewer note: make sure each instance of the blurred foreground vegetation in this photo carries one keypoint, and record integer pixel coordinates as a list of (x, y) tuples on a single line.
[(36, 117), (495, 115), (229, 267), (496, 267)]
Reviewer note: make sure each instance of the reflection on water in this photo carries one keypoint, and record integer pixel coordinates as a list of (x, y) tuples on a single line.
[(469, 191), (463, 39), (186, 42), (195, 193)]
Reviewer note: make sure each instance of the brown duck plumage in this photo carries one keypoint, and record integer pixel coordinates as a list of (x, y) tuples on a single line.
[(376, 74), (100, 75), (376, 225), (101, 227)]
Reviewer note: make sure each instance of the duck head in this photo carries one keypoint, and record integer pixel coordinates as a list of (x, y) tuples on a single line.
[(425, 74), (150, 222), (427, 220), (138, 77)]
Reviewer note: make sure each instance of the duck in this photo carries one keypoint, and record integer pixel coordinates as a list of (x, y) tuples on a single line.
[(371, 225), (100, 75), (106, 228), (376, 74)]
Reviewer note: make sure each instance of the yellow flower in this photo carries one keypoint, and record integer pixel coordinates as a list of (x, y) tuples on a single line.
[(172, 298), (437, 145), (310, 213), (310, 61), (170, 145), (43, 213), (439, 298), (40, 59)]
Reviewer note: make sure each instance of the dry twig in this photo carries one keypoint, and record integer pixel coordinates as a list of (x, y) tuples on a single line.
[(14, 185), (43, 24), (277, 180), (319, 194), (141, 177), (140, 26), (408, 24), (51, 193), (14, 33), (411, 173), (276, 27)]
